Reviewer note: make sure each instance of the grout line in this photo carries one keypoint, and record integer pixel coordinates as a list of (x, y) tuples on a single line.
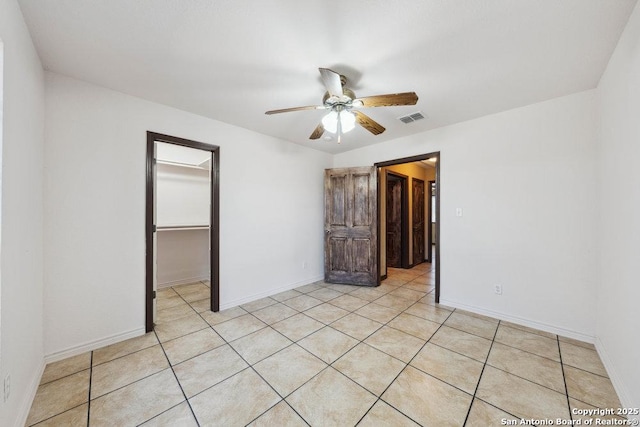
[(564, 379), (90, 380)]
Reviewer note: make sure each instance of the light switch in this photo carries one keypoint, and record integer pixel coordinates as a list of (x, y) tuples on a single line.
[(458, 212)]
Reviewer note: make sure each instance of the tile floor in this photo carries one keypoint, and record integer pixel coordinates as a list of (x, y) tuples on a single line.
[(325, 355)]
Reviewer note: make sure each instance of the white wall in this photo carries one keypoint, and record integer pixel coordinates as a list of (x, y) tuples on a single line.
[(618, 294), (21, 248), (183, 256), (525, 180), (183, 195), (270, 211)]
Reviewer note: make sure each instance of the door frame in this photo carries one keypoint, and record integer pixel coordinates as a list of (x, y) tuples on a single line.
[(429, 220), (413, 221), (404, 221), (214, 219), (412, 159)]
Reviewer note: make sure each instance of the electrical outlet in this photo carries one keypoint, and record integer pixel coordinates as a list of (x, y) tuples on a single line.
[(7, 387), (497, 289)]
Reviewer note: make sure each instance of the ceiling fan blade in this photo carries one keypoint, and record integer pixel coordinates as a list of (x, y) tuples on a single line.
[(368, 123), (317, 133), (287, 110), (331, 81), (391, 99)]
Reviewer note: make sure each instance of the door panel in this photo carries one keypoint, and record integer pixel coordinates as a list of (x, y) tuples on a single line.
[(418, 221), (394, 222), (351, 226)]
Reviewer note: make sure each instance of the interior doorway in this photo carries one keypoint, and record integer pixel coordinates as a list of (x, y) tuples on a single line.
[(422, 239), (182, 218), (396, 220)]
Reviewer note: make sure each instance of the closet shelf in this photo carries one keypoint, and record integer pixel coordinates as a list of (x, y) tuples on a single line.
[(182, 227)]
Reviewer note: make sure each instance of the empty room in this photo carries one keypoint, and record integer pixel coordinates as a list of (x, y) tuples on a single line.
[(322, 213)]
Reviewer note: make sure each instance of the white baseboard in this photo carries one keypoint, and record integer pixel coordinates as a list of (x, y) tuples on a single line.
[(522, 321), (93, 345), (25, 405), (177, 282), (240, 301), (616, 379)]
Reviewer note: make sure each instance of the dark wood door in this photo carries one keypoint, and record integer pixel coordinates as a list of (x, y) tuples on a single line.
[(394, 221), (418, 221), (351, 226)]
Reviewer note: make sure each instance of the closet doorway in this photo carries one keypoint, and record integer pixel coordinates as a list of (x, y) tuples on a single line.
[(182, 218)]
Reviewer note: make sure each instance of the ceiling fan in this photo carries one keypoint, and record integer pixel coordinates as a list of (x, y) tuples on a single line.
[(342, 103)]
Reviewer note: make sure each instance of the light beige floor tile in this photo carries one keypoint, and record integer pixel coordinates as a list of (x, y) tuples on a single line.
[(325, 294), (528, 329), (462, 342), (590, 388), (330, 399), (179, 327), (345, 289), (274, 313), (348, 302), (208, 369), (166, 292), (428, 312), (308, 288), (427, 400), (258, 345), (297, 327), (191, 345), (582, 358), (238, 327), (198, 295), (367, 294), (201, 305), (356, 326), (377, 312), (137, 402), (394, 302), (76, 417), (172, 313), (527, 341), (482, 415), (283, 296), (123, 348), (392, 282), (328, 344), (406, 293), (326, 313), (258, 304), (190, 288), (520, 397), (418, 286), (59, 396), (473, 325), (213, 318), (371, 368), (289, 369), (395, 343), (279, 415), (127, 369), (178, 416), (413, 325), (165, 302), (477, 316), (453, 368), (537, 369), (577, 342), (234, 402), (383, 415), (70, 365), (302, 302)]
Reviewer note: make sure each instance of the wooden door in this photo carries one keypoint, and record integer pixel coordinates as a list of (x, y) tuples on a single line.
[(394, 221), (351, 226), (418, 221)]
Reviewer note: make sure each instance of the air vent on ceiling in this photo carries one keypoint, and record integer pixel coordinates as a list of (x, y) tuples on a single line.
[(409, 118)]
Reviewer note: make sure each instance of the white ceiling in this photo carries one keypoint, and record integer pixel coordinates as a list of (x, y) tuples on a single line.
[(232, 60)]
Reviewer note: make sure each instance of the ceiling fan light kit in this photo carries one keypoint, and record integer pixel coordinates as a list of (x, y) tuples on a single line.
[(341, 101)]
